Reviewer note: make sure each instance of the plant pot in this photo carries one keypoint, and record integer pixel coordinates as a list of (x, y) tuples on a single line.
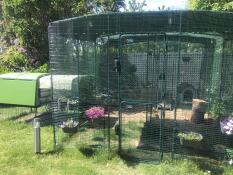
[(197, 145), (97, 123), (70, 130)]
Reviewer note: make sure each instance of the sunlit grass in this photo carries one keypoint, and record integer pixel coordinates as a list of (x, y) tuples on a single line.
[(17, 158)]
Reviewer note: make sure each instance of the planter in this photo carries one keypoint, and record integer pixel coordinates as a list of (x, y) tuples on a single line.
[(70, 130), (191, 140), (98, 123), (197, 145)]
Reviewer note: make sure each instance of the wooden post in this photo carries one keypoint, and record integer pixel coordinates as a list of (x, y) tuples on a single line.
[(199, 107)]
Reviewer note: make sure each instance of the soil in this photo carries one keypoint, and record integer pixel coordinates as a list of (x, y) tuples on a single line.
[(130, 115)]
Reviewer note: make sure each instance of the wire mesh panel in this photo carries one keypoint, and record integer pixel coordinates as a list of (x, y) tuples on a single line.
[(141, 132), (14, 112), (162, 78)]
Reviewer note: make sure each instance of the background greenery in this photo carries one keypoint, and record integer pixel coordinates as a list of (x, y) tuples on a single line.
[(24, 23), (23, 34), (24, 26), (217, 5)]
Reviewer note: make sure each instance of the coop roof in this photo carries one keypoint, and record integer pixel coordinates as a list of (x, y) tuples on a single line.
[(22, 76), (93, 26)]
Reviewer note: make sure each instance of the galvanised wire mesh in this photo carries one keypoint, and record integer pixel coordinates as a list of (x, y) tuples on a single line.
[(13, 112), (26, 113), (164, 79)]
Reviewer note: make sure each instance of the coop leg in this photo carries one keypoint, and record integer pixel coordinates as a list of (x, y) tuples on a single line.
[(36, 112)]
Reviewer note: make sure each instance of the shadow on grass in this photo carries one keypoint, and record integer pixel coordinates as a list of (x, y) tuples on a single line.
[(99, 139), (208, 165), (142, 156), (87, 151), (129, 160), (58, 150), (19, 116)]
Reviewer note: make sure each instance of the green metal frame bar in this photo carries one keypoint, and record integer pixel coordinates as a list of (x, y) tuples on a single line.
[(108, 107), (177, 82)]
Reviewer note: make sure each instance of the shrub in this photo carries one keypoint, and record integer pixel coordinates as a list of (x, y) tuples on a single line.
[(13, 60), (43, 68)]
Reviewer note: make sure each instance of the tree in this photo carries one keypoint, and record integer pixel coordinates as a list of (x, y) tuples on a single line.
[(103, 6), (218, 5), (27, 20), (134, 6), (1, 29)]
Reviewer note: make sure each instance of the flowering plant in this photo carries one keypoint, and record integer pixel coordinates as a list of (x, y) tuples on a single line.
[(69, 124), (191, 136), (94, 112), (226, 125)]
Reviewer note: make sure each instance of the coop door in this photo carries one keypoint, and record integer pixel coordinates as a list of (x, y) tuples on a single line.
[(142, 90), (140, 139), (142, 67)]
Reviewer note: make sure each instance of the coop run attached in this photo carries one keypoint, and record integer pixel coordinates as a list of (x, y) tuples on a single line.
[(164, 80)]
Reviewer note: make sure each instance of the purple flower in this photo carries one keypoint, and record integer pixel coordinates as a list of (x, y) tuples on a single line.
[(22, 50), (69, 124), (227, 126), (26, 52), (94, 112), (37, 63), (33, 61)]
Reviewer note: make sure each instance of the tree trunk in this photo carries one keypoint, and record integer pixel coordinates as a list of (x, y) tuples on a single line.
[(199, 107)]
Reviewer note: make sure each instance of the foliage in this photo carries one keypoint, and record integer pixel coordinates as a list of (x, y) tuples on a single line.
[(217, 108), (191, 136), (103, 6), (134, 6), (221, 106), (28, 20), (217, 5), (18, 59), (230, 153), (14, 60), (43, 68)]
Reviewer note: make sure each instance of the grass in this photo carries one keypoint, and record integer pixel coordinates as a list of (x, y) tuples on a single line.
[(17, 158)]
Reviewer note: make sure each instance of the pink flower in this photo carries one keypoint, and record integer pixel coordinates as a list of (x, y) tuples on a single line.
[(94, 112)]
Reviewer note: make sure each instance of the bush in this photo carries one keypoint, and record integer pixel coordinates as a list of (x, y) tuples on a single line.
[(16, 59), (43, 68), (13, 60)]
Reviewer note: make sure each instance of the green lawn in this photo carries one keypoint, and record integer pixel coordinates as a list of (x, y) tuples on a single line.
[(17, 157)]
